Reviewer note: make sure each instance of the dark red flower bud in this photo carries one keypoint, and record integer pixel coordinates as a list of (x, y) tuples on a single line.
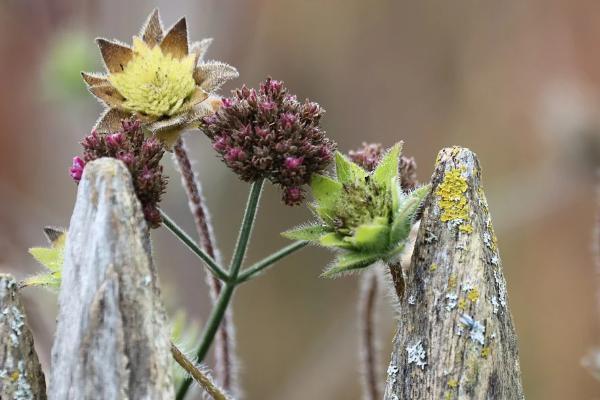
[(142, 157), (292, 196), (269, 134)]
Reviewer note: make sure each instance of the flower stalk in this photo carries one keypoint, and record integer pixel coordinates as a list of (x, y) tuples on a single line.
[(224, 346), (218, 312)]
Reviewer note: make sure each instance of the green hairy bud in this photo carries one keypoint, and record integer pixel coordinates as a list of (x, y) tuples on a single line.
[(364, 216)]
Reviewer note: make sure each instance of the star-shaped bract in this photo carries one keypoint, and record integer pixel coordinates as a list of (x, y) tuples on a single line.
[(161, 80)]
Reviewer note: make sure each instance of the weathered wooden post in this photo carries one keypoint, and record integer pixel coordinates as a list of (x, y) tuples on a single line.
[(456, 338), (112, 340), (21, 376)]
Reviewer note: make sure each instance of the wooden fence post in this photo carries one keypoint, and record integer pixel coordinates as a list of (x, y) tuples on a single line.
[(112, 339), (21, 376), (456, 338)]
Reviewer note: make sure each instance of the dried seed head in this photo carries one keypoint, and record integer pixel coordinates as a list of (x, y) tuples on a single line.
[(269, 134)]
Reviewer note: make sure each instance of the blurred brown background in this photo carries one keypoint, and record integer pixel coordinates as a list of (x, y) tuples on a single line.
[(516, 81)]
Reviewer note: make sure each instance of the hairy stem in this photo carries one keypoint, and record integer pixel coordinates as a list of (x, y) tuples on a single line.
[(211, 264), (258, 268), (224, 343), (367, 308), (203, 379), (218, 312)]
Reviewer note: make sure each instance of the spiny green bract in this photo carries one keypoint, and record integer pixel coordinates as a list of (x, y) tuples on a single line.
[(51, 258), (365, 216)]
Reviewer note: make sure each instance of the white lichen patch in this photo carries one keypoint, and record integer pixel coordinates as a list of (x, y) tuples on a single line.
[(416, 354), (501, 287), (392, 372), (494, 302), (451, 301), (477, 329), (412, 300)]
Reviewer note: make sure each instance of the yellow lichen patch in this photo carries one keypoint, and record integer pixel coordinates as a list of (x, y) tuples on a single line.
[(14, 376), (452, 282), (485, 352), (155, 83), (453, 202), (453, 383), (473, 295), (433, 267), (466, 228), (448, 396), (462, 304)]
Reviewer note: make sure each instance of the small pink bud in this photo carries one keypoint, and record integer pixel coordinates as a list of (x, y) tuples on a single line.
[(287, 120), (226, 102), (262, 132), (127, 158), (235, 154), (292, 196), (220, 144), (293, 162), (267, 106), (115, 140), (76, 169)]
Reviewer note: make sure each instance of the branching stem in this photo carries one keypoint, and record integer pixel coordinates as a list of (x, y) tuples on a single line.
[(218, 312)]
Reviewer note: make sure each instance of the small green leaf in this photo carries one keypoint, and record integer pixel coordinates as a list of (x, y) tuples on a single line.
[(333, 239), (373, 236), (326, 192), (351, 261), (51, 258), (49, 280), (404, 215), (346, 170), (397, 194), (388, 166), (306, 232)]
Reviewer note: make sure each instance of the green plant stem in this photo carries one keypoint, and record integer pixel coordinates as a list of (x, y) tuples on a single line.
[(256, 269), (189, 242), (218, 312)]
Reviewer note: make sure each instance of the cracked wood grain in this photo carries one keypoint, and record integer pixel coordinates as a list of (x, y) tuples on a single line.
[(455, 338), (112, 340)]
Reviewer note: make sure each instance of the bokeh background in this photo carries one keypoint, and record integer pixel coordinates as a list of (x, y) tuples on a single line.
[(517, 81)]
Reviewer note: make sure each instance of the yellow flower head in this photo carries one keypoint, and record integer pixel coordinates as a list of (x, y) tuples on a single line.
[(161, 80), (155, 83)]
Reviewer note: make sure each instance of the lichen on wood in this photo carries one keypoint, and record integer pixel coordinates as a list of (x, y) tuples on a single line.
[(456, 338), (112, 339), (21, 376)]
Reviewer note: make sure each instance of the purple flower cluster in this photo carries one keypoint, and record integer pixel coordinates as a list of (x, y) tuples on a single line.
[(369, 156), (141, 156), (270, 134)]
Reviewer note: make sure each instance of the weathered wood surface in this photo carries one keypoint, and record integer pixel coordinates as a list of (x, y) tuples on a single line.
[(21, 376), (112, 339), (456, 338)]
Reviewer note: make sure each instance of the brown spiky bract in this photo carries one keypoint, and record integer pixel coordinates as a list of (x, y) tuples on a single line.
[(208, 77), (140, 155), (270, 134)]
